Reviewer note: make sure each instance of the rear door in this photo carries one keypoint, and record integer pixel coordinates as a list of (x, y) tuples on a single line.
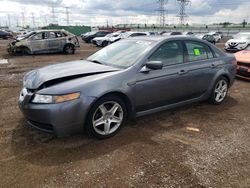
[(202, 65), (55, 41)]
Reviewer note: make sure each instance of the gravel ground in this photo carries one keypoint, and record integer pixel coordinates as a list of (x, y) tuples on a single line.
[(195, 146)]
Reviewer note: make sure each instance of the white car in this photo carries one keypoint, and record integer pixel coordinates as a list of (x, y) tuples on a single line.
[(239, 42), (105, 41), (216, 35), (117, 36)]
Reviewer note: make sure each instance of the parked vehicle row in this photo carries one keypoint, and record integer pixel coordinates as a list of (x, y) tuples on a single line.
[(104, 38), (5, 34)]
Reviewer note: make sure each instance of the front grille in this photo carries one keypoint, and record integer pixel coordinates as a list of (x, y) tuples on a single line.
[(243, 73), (243, 64), (42, 126)]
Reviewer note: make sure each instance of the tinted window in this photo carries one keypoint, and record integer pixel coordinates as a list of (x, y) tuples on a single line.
[(198, 51), (169, 53), (102, 34), (138, 34)]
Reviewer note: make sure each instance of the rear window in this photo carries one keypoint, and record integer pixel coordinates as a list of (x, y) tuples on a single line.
[(198, 51)]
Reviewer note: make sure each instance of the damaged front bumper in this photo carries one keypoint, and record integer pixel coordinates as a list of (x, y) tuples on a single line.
[(12, 49)]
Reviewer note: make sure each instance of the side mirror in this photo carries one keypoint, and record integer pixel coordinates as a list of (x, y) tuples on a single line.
[(152, 65)]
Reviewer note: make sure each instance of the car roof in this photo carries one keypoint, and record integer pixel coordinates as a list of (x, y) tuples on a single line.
[(248, 33), (48, 30), (160, 38)]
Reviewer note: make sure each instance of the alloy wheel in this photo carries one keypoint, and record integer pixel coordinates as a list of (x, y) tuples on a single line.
[(69, 49), (107, 118), (221, 91)]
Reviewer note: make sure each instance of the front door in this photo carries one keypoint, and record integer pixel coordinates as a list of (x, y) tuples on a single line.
[(167, 85), (38, 42)]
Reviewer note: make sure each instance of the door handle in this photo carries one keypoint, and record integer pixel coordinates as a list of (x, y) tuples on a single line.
[(213, 65), (181, 72)]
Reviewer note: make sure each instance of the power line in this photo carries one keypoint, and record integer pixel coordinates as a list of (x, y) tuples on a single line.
[(162, 11), (182, 11)]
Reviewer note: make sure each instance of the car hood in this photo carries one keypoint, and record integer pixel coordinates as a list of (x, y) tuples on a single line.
[(243, 56), (58, 73), (100, 38), (236, 41)]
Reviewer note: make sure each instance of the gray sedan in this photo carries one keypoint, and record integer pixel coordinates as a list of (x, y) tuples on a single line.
[(128, 79)]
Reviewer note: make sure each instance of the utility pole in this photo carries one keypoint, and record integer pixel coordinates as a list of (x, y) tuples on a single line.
[(107, 23), (182, 11), (53, 14), (162, 11), (9, 21), (23, 20), (33, 19), (67, 14)]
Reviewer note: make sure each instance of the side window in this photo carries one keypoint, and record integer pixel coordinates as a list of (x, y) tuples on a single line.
[(169, 53), (198, 51), (38, 36), (59, 34), (52, 35), (46, 35)]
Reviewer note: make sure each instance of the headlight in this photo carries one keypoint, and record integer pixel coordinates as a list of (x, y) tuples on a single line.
[(52, 99)]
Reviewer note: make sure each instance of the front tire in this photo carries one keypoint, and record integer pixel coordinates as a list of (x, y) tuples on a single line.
[(69, 49), (219, 92), (106, 117)]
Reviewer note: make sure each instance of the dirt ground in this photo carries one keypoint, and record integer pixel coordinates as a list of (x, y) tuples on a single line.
[(155, 151)]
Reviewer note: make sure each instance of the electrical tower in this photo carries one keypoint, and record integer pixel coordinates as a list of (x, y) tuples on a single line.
[(162, 11), (67, 15), (182, 11)]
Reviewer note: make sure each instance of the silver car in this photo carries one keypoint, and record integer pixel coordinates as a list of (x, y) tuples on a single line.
[(45, 41), (128, 79)]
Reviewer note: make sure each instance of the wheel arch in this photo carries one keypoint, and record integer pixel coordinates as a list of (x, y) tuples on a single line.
[(227, 77), (19, 48), (127, 101)]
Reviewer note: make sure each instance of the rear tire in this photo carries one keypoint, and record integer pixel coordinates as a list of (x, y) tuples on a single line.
[(25, 51), (106, 117), (219, 92), (69, 49), (105, 43)]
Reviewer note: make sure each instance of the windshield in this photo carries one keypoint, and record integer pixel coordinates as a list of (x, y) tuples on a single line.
[(109, 35), (124, 35), (242, 36), (29, 34), (248, 48), (121, 54)]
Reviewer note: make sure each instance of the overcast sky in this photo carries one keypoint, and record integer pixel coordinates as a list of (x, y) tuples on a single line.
[(99, 12)]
